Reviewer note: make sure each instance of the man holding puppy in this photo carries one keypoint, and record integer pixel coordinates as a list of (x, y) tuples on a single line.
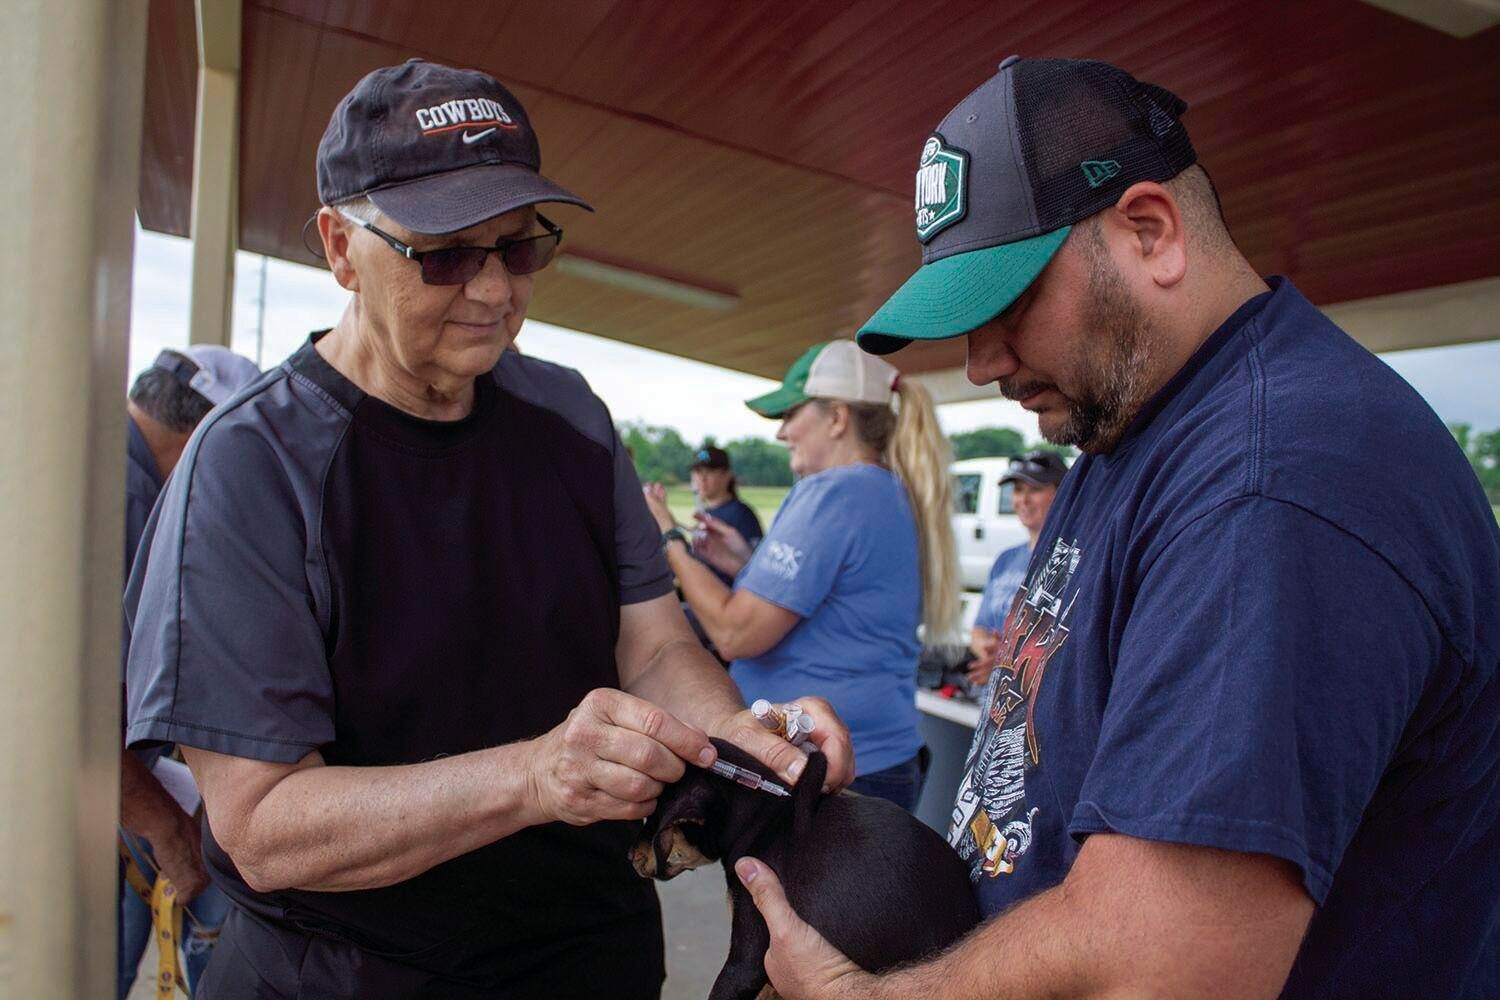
[(407, 615), (1243, 734)]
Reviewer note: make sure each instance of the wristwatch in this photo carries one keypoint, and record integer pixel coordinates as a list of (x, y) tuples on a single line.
[(674, 534)]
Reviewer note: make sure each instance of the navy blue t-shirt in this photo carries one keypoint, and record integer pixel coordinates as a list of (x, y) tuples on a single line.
[(741, 517), (1269, 622)]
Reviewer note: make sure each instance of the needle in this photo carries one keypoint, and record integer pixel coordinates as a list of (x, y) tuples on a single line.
[(746, 777)]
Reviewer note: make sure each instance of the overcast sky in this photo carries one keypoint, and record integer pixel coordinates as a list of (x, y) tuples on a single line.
[(1460, 382)]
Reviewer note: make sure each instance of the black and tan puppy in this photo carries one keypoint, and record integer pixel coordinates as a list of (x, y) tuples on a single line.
[(878, 884)]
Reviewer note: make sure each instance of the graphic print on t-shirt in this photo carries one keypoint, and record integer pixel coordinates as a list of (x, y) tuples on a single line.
[(991, 826)]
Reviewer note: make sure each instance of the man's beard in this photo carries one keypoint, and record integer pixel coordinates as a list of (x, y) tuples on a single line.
[(1110, 374)]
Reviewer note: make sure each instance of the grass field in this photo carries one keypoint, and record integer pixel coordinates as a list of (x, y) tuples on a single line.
[(765, 499)]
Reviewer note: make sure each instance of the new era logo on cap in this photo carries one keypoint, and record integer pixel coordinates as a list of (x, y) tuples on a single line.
[(1096, 172), (942, 196)]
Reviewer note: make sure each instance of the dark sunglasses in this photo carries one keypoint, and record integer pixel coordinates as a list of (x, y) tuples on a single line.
[(459, 265)]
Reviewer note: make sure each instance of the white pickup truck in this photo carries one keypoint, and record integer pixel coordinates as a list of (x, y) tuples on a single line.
[(984, 522)]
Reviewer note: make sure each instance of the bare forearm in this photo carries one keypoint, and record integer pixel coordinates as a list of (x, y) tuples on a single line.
[(705, 592), (710, 600), (342, 828), (689, 683), (1053, 965), (1092, 936), (146, 808)]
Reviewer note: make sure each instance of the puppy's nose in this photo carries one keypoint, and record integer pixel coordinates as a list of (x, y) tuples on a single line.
[(644, 859)]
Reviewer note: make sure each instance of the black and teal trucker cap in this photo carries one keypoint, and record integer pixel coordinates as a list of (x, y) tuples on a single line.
[(1042, 144)]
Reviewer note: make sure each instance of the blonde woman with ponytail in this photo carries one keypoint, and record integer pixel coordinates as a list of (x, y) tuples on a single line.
[(860, 554)]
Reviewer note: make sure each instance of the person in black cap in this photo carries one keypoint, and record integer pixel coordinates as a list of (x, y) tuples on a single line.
[(408, 617), (717, 508), (1033, 479), (717, 497), (1241, 738)]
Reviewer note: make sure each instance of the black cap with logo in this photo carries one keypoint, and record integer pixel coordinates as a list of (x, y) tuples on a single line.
[(436, 149), (1039, 468), (709, 457), (1042, 144)]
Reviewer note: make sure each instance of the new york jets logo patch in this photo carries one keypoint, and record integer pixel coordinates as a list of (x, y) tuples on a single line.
[(942, 187)]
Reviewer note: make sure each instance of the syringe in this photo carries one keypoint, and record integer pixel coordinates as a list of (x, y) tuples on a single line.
[(746, 777)]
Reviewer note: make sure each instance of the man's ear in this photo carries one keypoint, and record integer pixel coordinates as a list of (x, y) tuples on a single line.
[(1148, 213), (336, 233), (807, 794)]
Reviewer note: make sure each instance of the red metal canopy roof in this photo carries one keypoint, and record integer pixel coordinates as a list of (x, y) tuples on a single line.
[(766, 150)]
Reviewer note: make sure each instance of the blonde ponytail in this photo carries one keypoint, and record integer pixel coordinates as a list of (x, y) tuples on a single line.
[(911, 443), (919, 453)]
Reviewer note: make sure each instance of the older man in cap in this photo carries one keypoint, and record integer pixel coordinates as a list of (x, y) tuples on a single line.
[(1243, 734), (408, 617)]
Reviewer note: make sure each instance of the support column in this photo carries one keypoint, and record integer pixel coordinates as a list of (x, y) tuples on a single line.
[(73, 77), (216, 171)]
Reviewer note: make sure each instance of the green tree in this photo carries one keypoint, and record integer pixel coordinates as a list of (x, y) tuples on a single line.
[(1061, 449), (985, 442), (660, 453), (758, 462), (1483, 451)]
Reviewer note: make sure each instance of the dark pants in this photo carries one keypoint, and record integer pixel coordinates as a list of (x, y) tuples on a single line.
[(901, 784)]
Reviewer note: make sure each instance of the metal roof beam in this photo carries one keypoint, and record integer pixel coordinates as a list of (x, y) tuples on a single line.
[(216, 170)]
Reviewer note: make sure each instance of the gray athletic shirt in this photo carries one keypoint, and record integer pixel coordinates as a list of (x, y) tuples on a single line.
[(329, 573)]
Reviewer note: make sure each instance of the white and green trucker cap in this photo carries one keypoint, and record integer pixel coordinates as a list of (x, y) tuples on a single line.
[(835, 370), (1042, 144)]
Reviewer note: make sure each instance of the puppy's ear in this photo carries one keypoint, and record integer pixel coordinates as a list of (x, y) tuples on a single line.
[(808, 793)]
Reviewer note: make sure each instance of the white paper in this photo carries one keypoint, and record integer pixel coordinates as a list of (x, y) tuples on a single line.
[(178, 781)]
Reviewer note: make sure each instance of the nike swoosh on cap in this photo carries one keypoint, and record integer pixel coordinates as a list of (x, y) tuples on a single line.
[(475, 138)]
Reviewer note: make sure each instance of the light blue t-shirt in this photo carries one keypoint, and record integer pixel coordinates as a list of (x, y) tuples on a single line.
[(842, 553), (1008, 573)]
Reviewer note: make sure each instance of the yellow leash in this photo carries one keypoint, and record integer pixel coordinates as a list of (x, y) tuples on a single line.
[(166, 923)]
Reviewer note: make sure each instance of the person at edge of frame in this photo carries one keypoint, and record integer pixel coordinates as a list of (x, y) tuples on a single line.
[(1243, 734), (166, 402)]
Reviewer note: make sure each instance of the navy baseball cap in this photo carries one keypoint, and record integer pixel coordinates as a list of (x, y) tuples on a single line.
[(1042, 144), (213, 372), (709, 457), (436, 149), (1039, 468)]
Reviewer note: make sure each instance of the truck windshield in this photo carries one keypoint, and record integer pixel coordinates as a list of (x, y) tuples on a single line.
[(966, 494)]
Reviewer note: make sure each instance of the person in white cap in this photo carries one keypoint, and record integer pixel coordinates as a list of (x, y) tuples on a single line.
[(165, 404), (859, 554)]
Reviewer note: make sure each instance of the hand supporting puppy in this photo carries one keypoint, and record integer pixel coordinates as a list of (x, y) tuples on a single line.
[(801, 963), (609, 759)]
